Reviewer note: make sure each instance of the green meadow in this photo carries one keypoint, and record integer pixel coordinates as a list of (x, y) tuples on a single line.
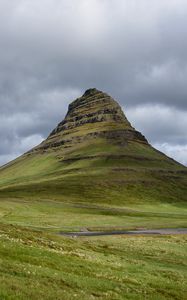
[(62, 216), (38, 265)]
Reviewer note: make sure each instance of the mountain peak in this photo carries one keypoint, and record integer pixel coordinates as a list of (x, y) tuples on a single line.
[(94, 115), (90, 92), (93, 98)]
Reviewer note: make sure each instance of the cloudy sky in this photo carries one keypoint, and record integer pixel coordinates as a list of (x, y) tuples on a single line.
[(51, 51)]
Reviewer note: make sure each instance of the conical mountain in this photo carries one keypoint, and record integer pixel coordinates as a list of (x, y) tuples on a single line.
[(95, 154), (94, 115)]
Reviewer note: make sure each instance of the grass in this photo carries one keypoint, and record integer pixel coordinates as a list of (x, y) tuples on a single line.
[(110, 188), (98, 186), (37, 265), (62, 216)]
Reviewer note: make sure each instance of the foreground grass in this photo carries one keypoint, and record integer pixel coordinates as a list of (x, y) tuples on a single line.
[(36, 265)]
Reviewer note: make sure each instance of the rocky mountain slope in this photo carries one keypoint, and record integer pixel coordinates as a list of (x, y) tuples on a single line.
[(94, 115)]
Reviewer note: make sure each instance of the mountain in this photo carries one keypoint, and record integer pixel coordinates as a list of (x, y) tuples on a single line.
[(94, 115), (95, 155)]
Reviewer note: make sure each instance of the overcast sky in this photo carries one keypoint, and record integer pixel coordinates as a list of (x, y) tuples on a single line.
[(51, 51)]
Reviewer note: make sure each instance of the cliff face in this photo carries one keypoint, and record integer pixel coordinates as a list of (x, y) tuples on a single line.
[(94, 115)]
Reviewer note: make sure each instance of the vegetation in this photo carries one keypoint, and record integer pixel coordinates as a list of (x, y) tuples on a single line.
[(59, 216), (42, 195), (36, 265), (74, 182)]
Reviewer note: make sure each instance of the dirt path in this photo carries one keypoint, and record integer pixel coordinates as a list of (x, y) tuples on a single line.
[(163, 231)]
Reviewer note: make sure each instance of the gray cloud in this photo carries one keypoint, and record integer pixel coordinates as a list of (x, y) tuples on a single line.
[(165, 128), (160, 123), (51, 51)]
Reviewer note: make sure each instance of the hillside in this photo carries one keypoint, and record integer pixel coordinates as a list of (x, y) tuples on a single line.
[(95, 155)]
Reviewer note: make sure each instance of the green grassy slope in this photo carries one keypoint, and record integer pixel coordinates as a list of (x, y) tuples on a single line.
[(97, 172)]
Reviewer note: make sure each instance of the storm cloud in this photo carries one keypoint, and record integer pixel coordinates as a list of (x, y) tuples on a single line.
[(51, 51)]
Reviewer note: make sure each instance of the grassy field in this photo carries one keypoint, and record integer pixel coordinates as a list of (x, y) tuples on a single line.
[(38, 265), (56, 216)]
